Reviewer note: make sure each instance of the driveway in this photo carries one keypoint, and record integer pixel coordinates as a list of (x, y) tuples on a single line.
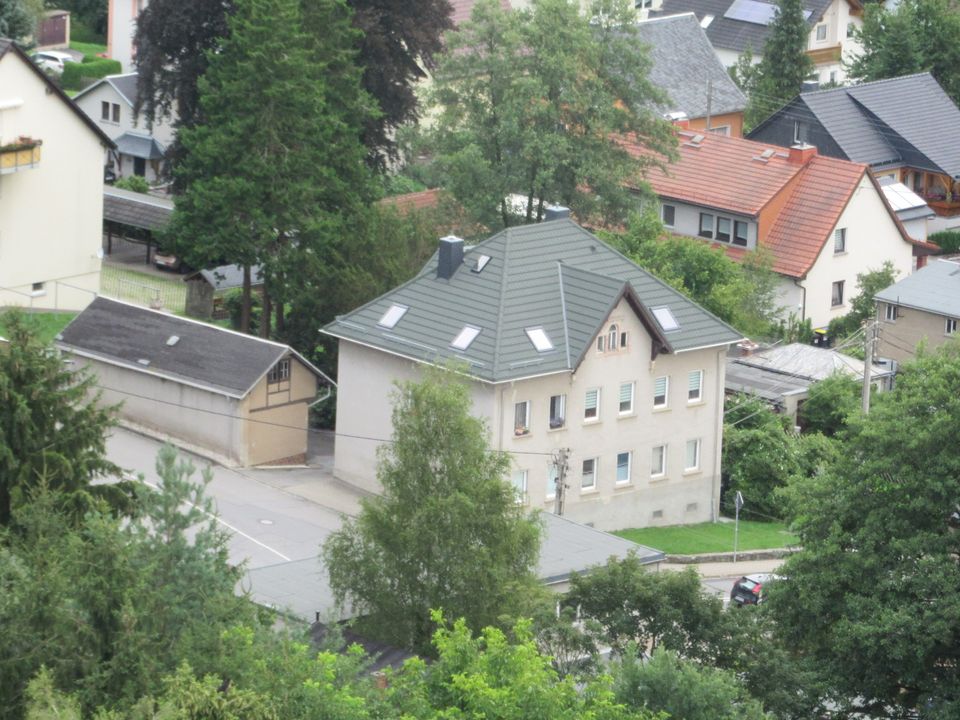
[(277, 520)]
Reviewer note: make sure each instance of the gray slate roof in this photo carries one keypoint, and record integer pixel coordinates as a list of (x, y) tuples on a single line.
[(140, 146), (219, 360), (733, 34), (127, 85), (683, 62), (934, 288), (553, 275), (136, 209), (908, 119), (226, 277)]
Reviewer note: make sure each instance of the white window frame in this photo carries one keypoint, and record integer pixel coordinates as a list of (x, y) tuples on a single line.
[(699, 396), (890, 312), (950, 326), (721, 130), (552, 475), (839, 241), (562, 417), (654, 473), (629, 410), (521, 429), (596, 409), (613, 337), (625, 481), (796, 131), (822, 27), (520, 488), (696, 456), (666, 392), (280, 372), (593, 474)]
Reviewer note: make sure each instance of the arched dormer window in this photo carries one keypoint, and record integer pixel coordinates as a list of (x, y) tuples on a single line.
[(613, 337)]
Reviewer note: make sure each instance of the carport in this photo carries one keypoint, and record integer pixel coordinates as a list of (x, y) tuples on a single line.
[(134, 216)]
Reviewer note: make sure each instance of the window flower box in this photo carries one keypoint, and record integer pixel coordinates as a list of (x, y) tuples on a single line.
[(21, 154)]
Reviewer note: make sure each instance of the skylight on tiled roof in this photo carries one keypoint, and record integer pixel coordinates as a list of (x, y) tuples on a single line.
[(392, 316), (539, 338), (666, 319), (481, 263), (465, 337)]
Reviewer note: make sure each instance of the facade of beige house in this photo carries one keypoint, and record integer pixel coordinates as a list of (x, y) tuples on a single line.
[(637, 408), (51, 191), (236, 398), (921, 309)]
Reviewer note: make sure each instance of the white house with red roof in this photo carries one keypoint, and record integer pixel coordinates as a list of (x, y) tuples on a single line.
[(822, 220)]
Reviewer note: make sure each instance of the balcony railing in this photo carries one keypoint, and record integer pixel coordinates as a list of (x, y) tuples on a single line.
[(22, 154)]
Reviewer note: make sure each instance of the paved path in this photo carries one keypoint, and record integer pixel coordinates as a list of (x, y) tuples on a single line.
[(718, 577)]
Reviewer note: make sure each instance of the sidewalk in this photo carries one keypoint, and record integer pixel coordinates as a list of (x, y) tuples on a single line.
[(728, 569)]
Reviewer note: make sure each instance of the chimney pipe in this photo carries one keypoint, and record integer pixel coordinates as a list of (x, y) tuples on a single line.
[(555, 212), (802, 154), (450, 256)]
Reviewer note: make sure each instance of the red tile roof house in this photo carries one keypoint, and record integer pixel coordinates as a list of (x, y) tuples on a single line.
[(822, 220)]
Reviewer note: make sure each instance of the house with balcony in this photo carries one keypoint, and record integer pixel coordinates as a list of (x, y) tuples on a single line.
[(141, 147), (601, 382), (734, 26), (820, 220), (51, 196), (904, 128)]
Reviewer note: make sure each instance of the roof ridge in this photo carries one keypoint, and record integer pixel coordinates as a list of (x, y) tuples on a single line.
[(848, 88), (507, 234), (563, 311)]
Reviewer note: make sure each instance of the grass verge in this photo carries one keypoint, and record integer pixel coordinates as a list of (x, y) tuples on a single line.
[(712, 537), (45, 324), (89, 49), (144, 288)]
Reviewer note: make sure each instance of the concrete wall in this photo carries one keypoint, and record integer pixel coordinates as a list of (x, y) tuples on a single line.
[(899, 338), (197, 417), (872, 238), (121, 25), (277, 416), (363, 409), (51, 214)]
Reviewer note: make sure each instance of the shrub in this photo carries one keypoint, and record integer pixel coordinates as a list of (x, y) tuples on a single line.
[(134, 183), (74, 74), (948, 240)]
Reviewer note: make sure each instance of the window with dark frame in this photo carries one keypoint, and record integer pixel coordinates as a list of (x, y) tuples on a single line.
[(668, 214), (557, 411), (706, 225), (836, 295), (723, 229), (740, 233), (104, 110), (279, 372)]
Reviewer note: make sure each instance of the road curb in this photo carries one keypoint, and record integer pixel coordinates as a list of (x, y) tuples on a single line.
[(748, 555)]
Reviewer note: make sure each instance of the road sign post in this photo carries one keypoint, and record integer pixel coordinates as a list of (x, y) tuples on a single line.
[(738, 503)]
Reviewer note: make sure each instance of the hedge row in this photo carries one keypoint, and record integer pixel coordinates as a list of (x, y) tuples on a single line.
[(75, 74), (948, 240)]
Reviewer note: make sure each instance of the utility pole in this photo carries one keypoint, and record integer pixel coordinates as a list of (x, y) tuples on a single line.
[(559, 461), (709, 101), (868, 338)]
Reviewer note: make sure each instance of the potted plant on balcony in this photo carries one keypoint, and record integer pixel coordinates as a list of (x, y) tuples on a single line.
[(20, 152)]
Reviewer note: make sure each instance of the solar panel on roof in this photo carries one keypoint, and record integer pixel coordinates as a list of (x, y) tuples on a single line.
[(755, 11)]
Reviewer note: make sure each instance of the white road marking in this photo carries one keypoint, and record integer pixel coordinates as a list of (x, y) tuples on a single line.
[(223, 522)]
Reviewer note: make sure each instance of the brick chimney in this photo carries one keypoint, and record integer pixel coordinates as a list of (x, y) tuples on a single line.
[(678, 119), (802, 154)]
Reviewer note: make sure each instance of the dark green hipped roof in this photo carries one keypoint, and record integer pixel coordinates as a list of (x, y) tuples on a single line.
[(553, 275)]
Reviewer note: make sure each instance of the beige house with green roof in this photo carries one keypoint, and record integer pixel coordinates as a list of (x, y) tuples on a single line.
[(574, 351)]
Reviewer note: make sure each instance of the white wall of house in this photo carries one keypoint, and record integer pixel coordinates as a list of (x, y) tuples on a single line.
[(832, 32), (872, 237), (121, 26), (679, 495), (51, 214)]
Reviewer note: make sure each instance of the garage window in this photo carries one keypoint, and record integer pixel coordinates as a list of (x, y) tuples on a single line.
[(279, 372)]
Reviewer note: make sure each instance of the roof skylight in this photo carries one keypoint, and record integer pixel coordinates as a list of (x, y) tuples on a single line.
[(538, 337), (392, 316), (465, 337), (481, 263), (666, 319)]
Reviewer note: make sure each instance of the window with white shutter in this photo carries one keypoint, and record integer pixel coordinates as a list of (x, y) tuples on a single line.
[(695, 386), (660, 387), (626, 398), (591, 404)]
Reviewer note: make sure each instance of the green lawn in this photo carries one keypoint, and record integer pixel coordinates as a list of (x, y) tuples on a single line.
[(712, 537), (46, 324), (88, 48), (144, 288)]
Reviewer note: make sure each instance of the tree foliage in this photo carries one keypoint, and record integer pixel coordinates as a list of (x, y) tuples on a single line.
[(863, 307), (19, 18), (916, 36), (682, 688), (52, 428), (785, 64), (874, 597), (110, 607), (275, 168), (830, 405), (446, 532), (740, 294), (531, 103)]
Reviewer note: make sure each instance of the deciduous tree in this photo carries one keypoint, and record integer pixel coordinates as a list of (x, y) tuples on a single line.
[(532, 102), (447, 531)]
